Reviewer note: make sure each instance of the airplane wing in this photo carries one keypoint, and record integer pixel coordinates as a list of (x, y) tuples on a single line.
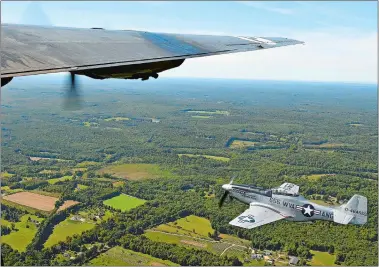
[(288, 188), (29, 50), (258, 214)]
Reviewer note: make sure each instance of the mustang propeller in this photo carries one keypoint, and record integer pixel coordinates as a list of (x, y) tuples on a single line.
[(226, 187), (73, 100)]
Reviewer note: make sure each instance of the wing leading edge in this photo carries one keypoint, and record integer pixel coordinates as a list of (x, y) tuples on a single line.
[(29, 50), (257, 215)]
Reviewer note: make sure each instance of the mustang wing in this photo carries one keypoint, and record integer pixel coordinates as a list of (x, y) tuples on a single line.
[(289, 188), (257, 215), (28, 50)]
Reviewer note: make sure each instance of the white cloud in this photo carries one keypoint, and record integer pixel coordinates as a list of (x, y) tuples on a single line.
[(324, 57), (267, 6)]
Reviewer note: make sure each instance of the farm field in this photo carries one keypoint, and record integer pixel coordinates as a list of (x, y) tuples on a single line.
[(124, 202), (322, 258), (55, 180), (37, 201), (192, 232), (191, 225), (25, 231), (242, 144), (135, 171), (67, 228), (67, 204), (118, 256), (225, 159)]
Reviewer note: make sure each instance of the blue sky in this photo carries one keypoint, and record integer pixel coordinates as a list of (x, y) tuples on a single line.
[(341, 37)]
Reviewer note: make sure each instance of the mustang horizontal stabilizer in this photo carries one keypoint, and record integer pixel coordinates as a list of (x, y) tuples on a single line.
[(354, 211), (256, 215)]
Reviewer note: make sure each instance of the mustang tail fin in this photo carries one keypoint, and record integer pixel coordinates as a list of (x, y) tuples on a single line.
[(353, 212)]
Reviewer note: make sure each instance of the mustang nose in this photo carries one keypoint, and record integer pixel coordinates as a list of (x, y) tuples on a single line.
[(227, 187)]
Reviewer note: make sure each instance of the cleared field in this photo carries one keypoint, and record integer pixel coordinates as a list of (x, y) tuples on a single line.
[(328, 145), (235, 240), (67, 204), (198, 242), (220, 112), (118, 184), (90, 124), (24, 234), (86, 164), (5, 188), (179, 240), (81, 187), (192, 232), (118, 256), (124, 202), (191, 225), (135, 171), (56, 180), (41, 202), (242, 144), (201, 117), (225, 159), (37, 201), (6, 175), (45, 158), (315, 177), (67, 228), (322, 258), (118, 119)]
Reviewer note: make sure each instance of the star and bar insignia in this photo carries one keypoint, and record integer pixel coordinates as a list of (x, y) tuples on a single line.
[(308, 210)]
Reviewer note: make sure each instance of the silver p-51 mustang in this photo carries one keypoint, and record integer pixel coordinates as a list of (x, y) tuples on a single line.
[(284, 202)]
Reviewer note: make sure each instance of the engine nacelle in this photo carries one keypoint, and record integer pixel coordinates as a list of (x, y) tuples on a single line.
[(139, 71), (5, 81)]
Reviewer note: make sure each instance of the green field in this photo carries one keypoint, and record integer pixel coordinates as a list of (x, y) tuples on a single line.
[(23, 236), (55, 180), (81, 187), (184, 241), (322, 258), (6, 175), (67, 228), (89, 124), (225, 159), (315, 177), (192, 232), (135, 171), (191, 225), (118, 256), (193, 241), (84, 164), (124, 202)]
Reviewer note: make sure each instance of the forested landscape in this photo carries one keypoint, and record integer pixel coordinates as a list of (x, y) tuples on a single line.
[(135, 176)]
